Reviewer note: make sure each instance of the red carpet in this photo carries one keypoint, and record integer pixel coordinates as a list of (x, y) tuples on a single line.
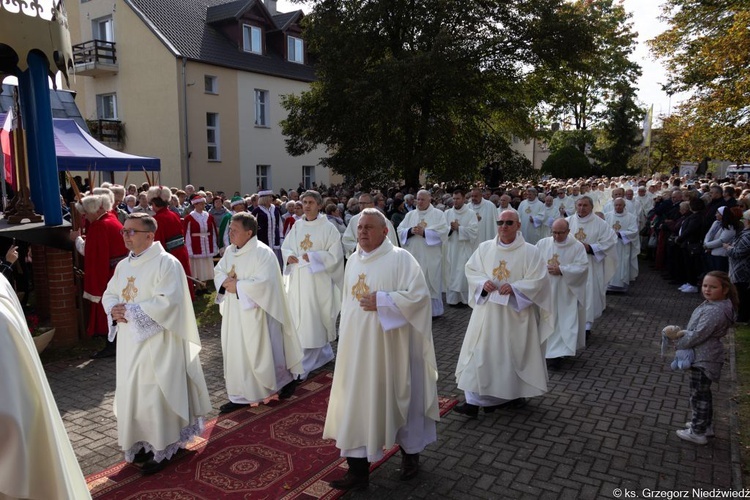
[(273, 452)]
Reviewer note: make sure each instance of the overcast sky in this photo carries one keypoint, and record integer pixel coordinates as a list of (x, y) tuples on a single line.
[(646, 23)]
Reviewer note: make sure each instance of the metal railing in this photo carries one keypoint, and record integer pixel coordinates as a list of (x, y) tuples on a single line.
[(94, 51), (107, 130)]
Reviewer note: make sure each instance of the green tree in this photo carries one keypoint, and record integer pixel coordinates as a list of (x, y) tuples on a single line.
[(707, 52), (567, 162), (620, 135), (578, 138), (575, 92), (409, 87)]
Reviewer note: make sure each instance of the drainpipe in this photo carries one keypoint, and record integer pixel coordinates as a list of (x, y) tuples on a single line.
[(185, 119)]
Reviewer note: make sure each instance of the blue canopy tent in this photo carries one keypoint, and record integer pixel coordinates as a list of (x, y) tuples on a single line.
[(77, 151)]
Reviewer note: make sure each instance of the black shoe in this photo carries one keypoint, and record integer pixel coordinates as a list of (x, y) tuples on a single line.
[(230, 407), (409, 466), (588, 334), (142, 456), (512, 404), (467, 409), (152, 466), (555, 363), (287, 391), (351, 482), (107, 352)]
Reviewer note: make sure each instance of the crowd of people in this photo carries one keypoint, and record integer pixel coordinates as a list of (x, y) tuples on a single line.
[(534, 262)]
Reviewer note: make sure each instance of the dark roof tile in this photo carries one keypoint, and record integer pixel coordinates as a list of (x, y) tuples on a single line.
[(182, 27)]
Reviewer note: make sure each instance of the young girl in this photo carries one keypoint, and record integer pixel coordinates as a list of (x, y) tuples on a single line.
[(708, 324)]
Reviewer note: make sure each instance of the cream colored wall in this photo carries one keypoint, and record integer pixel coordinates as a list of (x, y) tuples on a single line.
[(150, 108), (220, 175), (79, 20), (534, 149), (147, 88), (266, 146)]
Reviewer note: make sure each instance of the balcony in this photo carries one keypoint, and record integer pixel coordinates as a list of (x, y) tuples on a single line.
[(108, 132), (95, 58)]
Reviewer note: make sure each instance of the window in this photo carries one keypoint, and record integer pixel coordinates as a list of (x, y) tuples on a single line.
[(103, 29), (252, 40), (211, 84), (295, 50), (262, 118), (106, 106), (308, 176), (263, 176), (212, 136)]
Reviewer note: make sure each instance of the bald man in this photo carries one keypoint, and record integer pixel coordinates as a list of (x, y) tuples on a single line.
[(502, 356), (567, 270)]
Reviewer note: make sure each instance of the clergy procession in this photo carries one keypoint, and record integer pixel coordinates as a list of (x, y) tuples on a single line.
[(309, 281)]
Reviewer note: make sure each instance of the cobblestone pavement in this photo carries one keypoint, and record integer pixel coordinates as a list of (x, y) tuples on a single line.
[(607, 422)]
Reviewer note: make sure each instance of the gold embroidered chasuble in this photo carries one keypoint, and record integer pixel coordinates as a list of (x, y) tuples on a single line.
[(503, 351)]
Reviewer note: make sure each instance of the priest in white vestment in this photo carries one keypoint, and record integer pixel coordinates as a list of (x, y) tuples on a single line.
[(161, 396), (531, 216), (619, 193), (36, 458), (313, 271), (566, 202), (627, 246), (644, 203), (384, 386), (502, 207), (462, 241), (422, 233), (599, 240), (567, 270), (551, 212), (262, 353), (502, 356), (486, 215), (349, 238)]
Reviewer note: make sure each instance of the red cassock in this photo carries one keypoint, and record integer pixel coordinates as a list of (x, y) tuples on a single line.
[(169, 234), (104, 248), (194, 241)]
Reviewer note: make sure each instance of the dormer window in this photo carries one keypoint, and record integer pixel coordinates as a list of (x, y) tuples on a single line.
[(295, 50), (252, 39)]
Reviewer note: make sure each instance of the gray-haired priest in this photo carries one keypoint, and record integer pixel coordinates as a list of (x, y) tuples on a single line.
[(422, 233), (160, 395), (313, 269), (261, 350), (384, 386)]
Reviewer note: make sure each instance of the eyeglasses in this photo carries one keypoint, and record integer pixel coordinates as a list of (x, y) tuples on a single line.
[(506, 222), (131, 232)]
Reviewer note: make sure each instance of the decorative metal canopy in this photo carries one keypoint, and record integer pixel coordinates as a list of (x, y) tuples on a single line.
[(34, 26)]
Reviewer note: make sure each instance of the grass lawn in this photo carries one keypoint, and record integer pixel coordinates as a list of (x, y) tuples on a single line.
[(206, 312), (742, 350)]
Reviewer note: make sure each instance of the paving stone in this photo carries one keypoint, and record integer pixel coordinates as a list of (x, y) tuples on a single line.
[(607, 422)]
